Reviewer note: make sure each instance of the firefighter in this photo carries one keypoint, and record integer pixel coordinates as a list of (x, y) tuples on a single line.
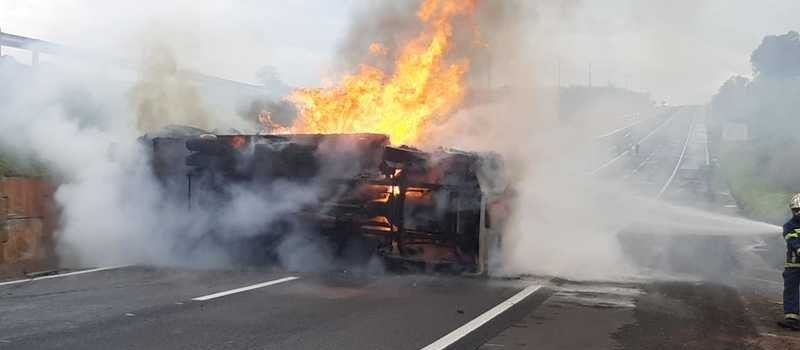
[(791, 271)]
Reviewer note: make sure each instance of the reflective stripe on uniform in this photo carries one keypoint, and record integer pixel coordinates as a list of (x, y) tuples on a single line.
[(791, 316), (791, 235), (788, 264)]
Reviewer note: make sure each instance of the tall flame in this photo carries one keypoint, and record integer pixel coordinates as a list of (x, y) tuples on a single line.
[(423, 87)]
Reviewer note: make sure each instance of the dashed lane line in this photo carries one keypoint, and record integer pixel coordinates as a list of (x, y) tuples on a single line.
[(623, 154), (640, 166), (479, 321), (612, 161), (613, 132), (63, 275), (680, 160), (246, 288)]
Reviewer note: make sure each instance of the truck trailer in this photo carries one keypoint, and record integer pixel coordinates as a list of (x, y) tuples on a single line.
[(443, 209)]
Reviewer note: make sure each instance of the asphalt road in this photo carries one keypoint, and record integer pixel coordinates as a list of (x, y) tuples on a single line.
[(140, 307)]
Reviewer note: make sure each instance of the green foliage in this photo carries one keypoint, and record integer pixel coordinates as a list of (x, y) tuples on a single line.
[(755, 194), (9, 166), (764, 170), (5, 167)]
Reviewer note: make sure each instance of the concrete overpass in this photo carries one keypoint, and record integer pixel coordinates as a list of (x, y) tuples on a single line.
[(38, 46)]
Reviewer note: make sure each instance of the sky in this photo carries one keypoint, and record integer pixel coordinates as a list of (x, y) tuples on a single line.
[(227, 39), (680, 51)]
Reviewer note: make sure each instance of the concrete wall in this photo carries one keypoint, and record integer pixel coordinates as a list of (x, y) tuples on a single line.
[(26, 225)]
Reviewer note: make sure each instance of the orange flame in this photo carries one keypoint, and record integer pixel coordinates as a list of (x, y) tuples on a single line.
[(423, 88)]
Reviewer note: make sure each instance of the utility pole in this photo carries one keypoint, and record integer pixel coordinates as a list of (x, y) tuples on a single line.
[(1, 42), (558, 88), (590, 74), (489, 70), (558, 72)]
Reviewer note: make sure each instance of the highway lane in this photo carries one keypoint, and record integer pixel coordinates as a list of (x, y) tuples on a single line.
[(648, 172), (52, 305), (613, 152), (139, 307)]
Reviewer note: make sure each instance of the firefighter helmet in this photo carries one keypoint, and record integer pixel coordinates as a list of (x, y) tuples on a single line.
[(795, 202)]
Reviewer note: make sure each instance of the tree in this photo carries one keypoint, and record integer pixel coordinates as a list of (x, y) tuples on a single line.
[(778, 56), (733, 102)]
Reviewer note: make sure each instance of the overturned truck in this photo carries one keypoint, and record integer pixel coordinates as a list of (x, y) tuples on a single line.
[(368, 199)]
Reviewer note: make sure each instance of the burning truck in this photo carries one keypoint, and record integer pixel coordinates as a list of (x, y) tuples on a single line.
[(444, 208), (370, 198)]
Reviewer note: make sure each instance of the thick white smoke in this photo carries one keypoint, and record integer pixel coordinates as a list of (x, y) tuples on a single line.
[(84, 129), (567, 221), (83, 126)]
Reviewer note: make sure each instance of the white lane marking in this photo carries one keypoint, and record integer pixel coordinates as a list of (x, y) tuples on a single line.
[(680, 159), (612, 132), (244, 289), (479, 321), (619, 156), (640, 166), (643, 139), (64, 274)]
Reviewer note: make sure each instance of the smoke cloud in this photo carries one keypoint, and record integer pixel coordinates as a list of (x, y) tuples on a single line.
[(84, 125), (568, 221), (85, 128), (164, 96)]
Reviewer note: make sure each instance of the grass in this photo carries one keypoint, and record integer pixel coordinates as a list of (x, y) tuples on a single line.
[(755, 194)]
